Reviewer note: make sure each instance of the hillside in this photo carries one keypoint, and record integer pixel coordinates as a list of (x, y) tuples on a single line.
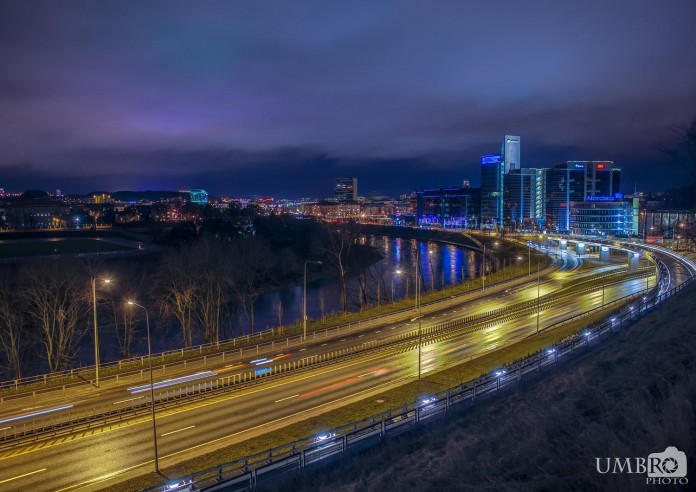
[(631, 396)]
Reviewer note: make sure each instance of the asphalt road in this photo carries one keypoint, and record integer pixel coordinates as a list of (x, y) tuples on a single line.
[(86, 399), (86, 459)]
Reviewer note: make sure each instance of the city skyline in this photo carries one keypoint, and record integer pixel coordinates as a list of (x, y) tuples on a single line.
[(236, 101)]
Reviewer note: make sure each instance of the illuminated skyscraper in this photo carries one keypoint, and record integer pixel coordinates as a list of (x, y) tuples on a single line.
[(346, 189), (491, 191), (510, 153), (579, 181)]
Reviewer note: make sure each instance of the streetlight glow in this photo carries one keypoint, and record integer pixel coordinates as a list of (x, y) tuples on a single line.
[(152, 386)]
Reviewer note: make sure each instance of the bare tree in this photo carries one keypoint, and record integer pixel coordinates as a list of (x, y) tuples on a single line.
[(279, 313), (338, 249), (123, 315), (177, 290), (56, 299), (12, 332), (322, 304), (250, 271), (212, 270)]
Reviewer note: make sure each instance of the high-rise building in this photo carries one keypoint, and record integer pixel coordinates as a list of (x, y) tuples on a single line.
[(491, 191), (578, 181), (346, 189), (449, 208), (604, 218), (510, 153), (197, 197), (524, 203)]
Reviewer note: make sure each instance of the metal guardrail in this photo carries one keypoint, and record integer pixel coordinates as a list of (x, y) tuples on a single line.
[(247, 472), (83, 374), (80, 420), (76, 420)]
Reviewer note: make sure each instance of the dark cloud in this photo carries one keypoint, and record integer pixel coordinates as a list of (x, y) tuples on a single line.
[(402, 94)]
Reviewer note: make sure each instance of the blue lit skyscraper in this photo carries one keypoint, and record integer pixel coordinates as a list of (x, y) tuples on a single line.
[(510, 153), (491, 191)]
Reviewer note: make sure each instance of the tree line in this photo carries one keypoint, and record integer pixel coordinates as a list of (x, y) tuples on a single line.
[(199, 286)]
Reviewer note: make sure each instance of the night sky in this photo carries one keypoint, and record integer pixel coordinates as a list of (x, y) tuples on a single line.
[(278, 98)]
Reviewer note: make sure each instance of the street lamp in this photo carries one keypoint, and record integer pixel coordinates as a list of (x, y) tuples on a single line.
[(96, 330), (483, 265), (304, 299), (538, 297), (152, 387), (419, 279)]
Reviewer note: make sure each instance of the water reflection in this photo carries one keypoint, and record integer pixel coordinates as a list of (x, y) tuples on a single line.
[(440, 264)]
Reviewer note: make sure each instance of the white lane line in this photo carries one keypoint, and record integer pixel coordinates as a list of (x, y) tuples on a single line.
[(394, 327), (174, 432), (289, 397), (360, 336), (22, 476), (129, 399), (343, 339), (323, 344), (378, 331), (302, 349)]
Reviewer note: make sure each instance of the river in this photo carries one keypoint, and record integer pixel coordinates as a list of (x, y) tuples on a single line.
[(445, 264)]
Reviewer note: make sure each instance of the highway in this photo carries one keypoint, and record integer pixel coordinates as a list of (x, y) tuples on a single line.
[(110, 394), (86, 459)]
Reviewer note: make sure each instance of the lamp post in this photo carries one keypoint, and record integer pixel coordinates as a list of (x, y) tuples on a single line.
[(483, 265), (538, 298), (152, 387), (419, 272), (304, 299), (96, 330)]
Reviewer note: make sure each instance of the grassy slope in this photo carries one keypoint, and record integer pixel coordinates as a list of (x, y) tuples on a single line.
[(631, 396)]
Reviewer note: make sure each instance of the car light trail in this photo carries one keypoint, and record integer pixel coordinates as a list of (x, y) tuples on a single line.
[(376, 372), (35, 414), (259, 362), (171, 382)]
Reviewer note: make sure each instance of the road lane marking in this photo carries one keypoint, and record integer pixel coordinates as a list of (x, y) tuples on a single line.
[(266, 424), (289, 397), (129, 399), (324, 344), (22, 476), (180, 430), (106, 477), (360, 336)]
